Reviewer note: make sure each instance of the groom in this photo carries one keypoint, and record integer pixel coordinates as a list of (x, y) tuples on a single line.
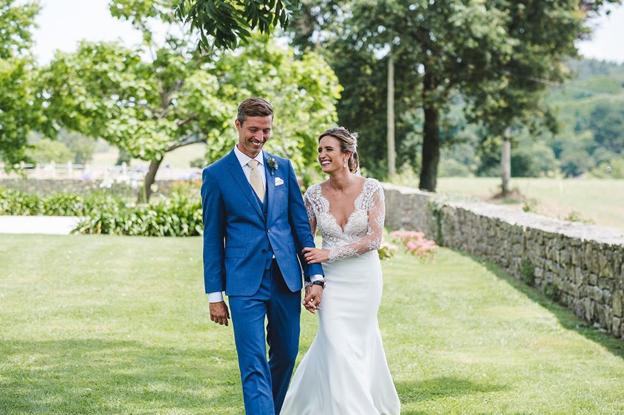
[(255, 227)]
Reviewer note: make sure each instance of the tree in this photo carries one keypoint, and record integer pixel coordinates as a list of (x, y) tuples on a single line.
[(575, 157), (497, 54), (544, 37), (224, 23), (533, 159), (325, 26), (547, 36), (46, 151), (445, 45), (391, 120), (19, 105), (607, 125), (303, 92), (81, 147), (149, 107)]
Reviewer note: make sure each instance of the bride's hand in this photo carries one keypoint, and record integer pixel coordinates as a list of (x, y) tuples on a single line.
[(315, 255), (312, 300)]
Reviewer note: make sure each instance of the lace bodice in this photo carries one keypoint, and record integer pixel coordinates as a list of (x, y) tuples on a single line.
[(363, 230)]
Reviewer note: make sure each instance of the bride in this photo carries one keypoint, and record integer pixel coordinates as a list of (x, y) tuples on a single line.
[(345, 371)]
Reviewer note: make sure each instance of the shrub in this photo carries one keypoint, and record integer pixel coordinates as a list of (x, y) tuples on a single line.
[(173, 216), (13, 202), (63, 204), (529, 205), (415, 243), (527, 270), (575, 216), (177, 215)]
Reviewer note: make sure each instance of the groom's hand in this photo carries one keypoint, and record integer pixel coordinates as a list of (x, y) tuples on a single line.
[(219, 313), (312, 300)]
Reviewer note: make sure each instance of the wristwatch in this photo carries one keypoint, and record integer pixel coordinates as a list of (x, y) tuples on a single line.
[(319, 282)]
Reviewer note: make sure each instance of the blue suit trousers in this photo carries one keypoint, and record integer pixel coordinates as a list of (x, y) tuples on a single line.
[(265, 382)]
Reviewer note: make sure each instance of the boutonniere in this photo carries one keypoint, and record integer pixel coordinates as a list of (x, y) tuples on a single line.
[(272, 163)]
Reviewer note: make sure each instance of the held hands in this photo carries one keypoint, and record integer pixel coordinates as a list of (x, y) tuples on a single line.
[(315, 255), (313, 294), (219, 313)]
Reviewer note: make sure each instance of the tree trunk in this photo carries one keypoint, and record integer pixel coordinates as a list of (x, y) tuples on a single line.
[(506, 166), (390, 120), (431, 138), (150, 178)]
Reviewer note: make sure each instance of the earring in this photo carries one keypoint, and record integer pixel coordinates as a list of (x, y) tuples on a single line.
[(345, 163)]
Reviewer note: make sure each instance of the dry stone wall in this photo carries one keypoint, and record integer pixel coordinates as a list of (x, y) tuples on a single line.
[(580, 266)]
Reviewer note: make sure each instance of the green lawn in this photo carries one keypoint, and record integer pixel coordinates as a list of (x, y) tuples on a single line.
[(103, 325), (598, 201)]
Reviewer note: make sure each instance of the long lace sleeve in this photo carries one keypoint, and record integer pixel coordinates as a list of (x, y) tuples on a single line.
[(310, 210), (375, 207)]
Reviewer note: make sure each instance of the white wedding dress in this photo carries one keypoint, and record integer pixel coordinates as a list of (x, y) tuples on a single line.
[(345, 370)]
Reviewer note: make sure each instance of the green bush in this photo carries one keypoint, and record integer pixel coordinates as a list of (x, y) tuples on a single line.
[(63, 204), (13, 202), (609, 169), (177, 215), (174, 216), (527, 270)]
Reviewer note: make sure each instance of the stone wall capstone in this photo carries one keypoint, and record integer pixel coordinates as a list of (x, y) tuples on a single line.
[(580, 266)]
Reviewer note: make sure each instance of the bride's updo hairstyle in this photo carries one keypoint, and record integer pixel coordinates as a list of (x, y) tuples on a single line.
[(348, 143)]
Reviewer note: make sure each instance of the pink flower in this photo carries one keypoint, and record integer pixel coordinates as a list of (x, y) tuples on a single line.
[(415, 242)]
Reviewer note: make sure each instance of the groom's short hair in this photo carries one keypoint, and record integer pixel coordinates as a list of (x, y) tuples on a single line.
[(254, 107)]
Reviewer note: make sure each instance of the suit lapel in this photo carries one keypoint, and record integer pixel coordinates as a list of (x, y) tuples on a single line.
[(237, 173), (270, 182)]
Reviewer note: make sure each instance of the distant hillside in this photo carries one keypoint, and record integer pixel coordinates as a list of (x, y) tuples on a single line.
[(594, 82), (589, 108)]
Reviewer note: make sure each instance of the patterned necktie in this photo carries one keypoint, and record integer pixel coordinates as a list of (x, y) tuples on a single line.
[(255, 179)]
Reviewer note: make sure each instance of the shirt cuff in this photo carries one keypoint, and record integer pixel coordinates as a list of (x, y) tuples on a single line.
[(215, 297), (317, 277)]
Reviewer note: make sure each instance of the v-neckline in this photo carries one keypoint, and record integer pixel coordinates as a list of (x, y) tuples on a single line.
[(355, 208)]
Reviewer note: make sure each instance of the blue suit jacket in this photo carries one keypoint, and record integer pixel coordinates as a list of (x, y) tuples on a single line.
[(239, 239)]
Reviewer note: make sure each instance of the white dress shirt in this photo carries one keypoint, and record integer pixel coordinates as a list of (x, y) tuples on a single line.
[(243, 159)]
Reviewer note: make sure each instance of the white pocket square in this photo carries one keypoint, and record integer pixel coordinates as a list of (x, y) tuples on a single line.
[(278, 181)]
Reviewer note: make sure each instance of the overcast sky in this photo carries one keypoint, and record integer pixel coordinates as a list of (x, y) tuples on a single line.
[(62, 23)]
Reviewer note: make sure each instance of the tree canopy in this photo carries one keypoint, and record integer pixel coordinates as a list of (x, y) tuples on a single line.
[(150, 106), (498, 56), (19, 103), (224, 24)]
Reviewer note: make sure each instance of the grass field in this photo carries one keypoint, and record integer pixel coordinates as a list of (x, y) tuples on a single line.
[(598, 201), (119, 325)]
